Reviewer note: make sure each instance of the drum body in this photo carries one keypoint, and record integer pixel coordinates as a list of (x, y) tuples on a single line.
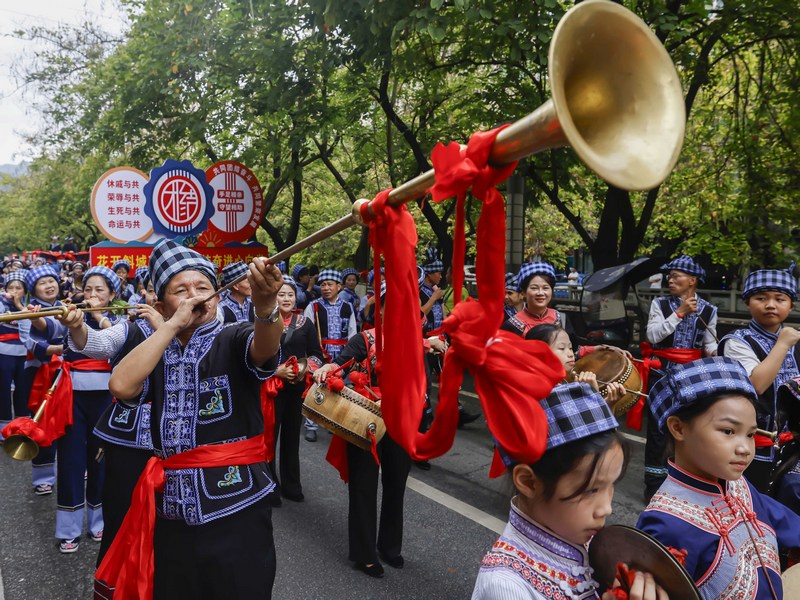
[(346, 414), (612, 366)]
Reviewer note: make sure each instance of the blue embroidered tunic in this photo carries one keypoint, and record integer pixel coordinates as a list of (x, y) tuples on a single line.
[(37, 341), (235, 312), (724, 526), (435, 318), (529, 561), (207, 393), (10, 347)]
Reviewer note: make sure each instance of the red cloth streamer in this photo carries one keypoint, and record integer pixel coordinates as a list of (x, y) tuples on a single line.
[(27, 427), (269, 391), (128, 566), (677, 355), (502, 364)]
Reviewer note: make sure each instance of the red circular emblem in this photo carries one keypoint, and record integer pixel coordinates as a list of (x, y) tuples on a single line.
[(179, 201)]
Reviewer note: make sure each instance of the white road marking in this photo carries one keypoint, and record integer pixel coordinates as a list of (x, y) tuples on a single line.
[(456, 505), (634, 438)]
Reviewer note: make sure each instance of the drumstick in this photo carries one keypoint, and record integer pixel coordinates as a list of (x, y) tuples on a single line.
[(628, 391), (773, 435)]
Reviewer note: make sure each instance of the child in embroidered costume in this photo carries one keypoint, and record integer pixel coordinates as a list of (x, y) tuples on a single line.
[(729, 530), (563, 501), (208, 483), (768, 351)]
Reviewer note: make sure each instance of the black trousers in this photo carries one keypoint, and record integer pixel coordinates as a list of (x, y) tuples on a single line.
[(365, 537), (232, 557), (123, 466), (288, 417)]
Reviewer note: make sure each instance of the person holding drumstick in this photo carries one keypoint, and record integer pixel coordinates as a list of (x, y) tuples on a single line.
[(768, 352), (681, 327), (368, 542)]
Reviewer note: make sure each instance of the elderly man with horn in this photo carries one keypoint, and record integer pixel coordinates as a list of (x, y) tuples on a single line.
[(681, 327), (209, 479)]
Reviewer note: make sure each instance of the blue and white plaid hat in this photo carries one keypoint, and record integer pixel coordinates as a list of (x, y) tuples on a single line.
[(170, 258), (511, 282), (18, 275), (329, 275), (289, 280), (297, 270), (36, 273), (140, 273), (233, 271), (686, 264), (121, 263), (531, 269), (281, 264), (686, 383), (771, 280), (349, 271), (112, 278), (575, 411), (434, 263)]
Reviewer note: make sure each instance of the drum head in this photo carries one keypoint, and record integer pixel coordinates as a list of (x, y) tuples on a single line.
[(619, 543), (791, 582)]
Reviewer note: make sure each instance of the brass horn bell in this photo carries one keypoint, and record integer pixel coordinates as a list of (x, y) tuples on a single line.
[(616, 99)]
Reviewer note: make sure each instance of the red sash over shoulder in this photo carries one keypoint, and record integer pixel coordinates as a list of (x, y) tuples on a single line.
[(128, 566)]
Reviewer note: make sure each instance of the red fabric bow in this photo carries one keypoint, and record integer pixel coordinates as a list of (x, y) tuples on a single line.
[(501, 364), (128, 566)]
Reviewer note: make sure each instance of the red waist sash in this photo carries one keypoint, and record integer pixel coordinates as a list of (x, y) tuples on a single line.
[(9, 337), (676, 355), (128, 566), (334, 342)]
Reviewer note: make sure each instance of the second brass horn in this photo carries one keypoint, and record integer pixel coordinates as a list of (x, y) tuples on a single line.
[(617, 101)]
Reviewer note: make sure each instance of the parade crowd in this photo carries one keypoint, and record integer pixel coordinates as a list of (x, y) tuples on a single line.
[(173, 424)]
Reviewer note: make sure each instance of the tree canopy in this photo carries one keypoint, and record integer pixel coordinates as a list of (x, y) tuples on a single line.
[(331, 101)]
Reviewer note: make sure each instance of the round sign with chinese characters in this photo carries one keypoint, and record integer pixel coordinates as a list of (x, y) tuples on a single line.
[(118, 205), (238, 203), (179, 199)]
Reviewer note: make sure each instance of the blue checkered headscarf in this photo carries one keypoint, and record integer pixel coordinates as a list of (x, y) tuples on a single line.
[(575, 411), (140, 273), (329, 275), (530, 270), (371, 276), (233, 271), (297, 270), (36, 273), (18, 275), (111, 278), (121, 263), (289, 280), (349, 271), (684, 384), (281, 264), (511, 282), (771, 280), (170, 258), (686, 264)]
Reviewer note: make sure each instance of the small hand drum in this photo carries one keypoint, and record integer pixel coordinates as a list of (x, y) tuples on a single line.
[(346, 414), (621, 544), (612, 366)]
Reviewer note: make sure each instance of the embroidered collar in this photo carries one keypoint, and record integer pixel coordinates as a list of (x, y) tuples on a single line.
[(544, 538), (767, 334), (717, 488)]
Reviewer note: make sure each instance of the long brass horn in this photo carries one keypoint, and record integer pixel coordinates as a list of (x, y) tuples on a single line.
[(617, 101), (22, 447)]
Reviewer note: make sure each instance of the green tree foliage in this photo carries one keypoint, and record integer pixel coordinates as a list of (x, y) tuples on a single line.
[(330, 101)]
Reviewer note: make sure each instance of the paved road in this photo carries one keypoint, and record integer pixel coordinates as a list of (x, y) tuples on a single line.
[(452, 514)]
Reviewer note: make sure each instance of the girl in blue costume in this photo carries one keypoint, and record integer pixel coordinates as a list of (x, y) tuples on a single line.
[(563, 501), (12, 352), (729, 530)]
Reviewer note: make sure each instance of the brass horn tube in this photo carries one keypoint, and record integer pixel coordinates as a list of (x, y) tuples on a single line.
[(617, 101), (55, 312)]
